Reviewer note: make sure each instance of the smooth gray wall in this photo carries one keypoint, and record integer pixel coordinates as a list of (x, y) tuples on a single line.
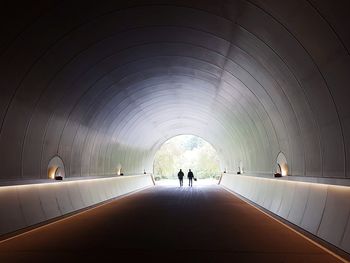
[(103, 85), (23, 206), (322, 210)]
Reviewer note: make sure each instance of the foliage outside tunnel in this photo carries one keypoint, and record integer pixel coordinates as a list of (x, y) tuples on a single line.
[(186, 152)]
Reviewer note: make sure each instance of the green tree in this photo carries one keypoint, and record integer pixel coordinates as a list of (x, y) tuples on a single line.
[(192, 142), (208, 162), (186, 152)]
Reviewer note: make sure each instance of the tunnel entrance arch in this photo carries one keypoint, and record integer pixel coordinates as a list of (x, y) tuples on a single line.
[(186, 152)]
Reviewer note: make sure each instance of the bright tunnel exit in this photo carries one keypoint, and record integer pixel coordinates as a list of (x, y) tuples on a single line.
[(186, 152)]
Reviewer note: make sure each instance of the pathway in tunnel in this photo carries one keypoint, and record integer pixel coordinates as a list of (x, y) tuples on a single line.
[(199, 224)]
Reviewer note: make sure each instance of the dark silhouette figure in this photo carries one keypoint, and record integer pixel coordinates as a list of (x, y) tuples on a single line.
[(180, 175), (190, 177)]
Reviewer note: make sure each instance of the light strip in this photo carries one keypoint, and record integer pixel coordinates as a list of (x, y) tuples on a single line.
[(64, 182)]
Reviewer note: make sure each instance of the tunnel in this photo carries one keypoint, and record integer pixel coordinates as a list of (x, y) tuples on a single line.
[(90, 90)]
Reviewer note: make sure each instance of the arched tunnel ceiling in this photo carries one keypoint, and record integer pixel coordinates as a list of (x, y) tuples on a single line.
[(104, 84)]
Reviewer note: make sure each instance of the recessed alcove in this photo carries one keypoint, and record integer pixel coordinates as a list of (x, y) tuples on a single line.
[(281, 165), (55, 169)]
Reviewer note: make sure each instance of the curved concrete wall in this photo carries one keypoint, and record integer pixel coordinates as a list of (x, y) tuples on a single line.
[(105, 88), (102, 84), (26, 205), (320, 209)]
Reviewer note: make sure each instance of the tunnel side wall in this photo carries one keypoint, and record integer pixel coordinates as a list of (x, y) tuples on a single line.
[(26, 205), (320, 209)]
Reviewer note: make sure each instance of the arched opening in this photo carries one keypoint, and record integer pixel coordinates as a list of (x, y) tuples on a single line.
[(55, 169), (240, 168), (119, 170), (186, 152), (281, 165)]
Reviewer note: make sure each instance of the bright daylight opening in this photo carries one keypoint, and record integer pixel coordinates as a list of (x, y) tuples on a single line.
[(186, 152)]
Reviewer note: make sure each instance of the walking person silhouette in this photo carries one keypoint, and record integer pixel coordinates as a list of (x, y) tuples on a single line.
[(190, 177), (180, 175)]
